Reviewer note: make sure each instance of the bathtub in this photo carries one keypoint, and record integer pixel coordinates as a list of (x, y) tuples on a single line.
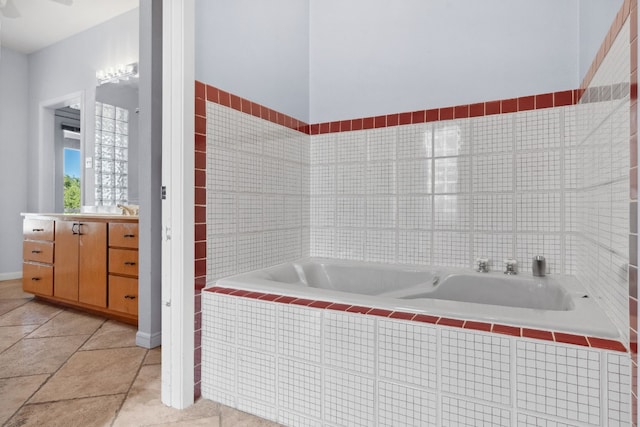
[(323, 342), (554, 303)]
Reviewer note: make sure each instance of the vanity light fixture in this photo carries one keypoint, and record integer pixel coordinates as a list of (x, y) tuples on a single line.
[(115, 74)]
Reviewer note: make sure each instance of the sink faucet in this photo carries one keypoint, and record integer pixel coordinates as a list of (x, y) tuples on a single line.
[(482, 265), (510, 266), (129, 209)]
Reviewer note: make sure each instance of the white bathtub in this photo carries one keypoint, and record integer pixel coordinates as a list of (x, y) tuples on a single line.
[(554, 303)]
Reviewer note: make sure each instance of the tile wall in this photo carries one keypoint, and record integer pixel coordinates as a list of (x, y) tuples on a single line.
[(200, 220), (257, 192), (447, 192), (601, 219), (304, 366)]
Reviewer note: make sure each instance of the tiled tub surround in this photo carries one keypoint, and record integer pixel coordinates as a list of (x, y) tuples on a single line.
[(300, 362), (257, 192), (447, 192), (602, 220)]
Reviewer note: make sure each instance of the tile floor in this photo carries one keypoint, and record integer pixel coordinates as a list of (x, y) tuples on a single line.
[(61, 367)]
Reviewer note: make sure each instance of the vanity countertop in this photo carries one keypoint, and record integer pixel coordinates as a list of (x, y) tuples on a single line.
[(93, 216)]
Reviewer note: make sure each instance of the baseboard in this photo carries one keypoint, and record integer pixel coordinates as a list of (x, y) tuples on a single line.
[(11, 276), (146, 340)]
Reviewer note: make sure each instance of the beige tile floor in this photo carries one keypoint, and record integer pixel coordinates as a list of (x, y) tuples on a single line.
[(61, 367)]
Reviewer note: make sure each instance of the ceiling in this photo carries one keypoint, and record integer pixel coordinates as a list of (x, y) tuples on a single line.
[(45, 22)]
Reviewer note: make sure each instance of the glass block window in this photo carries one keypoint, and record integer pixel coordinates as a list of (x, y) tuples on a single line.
[(111, 154)]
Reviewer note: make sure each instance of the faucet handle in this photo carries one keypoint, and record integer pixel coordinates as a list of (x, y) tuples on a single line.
[(482, 265), (510, 266)]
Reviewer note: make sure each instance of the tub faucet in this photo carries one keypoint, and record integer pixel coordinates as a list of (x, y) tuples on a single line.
[(510, 266), (482, 265), (539, 266)]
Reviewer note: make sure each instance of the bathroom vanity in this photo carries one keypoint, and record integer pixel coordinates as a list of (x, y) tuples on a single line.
[(85, 261)]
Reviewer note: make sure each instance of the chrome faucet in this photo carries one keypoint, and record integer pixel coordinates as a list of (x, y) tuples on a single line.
[(539, 266), (482, 265), (510, 266)]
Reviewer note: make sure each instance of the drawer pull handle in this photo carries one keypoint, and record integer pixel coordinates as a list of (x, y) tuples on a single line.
[(129, 297), (35, 279), (35, 230), (129, 263), (36, 251), (129, 235)]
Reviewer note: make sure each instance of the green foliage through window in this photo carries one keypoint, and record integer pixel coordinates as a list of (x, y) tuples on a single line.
[(71, 194)]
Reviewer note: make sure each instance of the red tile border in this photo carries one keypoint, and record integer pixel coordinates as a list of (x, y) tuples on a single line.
[(559, 337), (320, 304), (445, 321), (478, 326), (571, 339), (402, 315), (255, 295), (358, 309), (338, 307), (269, 297), (506, 330), (606, 344), (302, 301), (379, 312), (425, 318), (285, 299), (537, 334), (504, 106), (511, 105)]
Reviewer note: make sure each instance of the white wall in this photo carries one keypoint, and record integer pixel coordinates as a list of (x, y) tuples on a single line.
[(594, 20), (257, 50), (325, 60), (14, 90), (370, 58), (68, 67)]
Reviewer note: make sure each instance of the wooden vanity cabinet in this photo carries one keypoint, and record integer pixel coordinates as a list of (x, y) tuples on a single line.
[(86, 262)]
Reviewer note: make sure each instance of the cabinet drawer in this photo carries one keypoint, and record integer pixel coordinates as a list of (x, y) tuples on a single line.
[(123, 294), (123, 261), (37, 229), (37, 251), (123, 235), (37, 278)]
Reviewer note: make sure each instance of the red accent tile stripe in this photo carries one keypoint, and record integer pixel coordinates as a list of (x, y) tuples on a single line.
[(379, 312), (358, 309), (571, 339), (200, 218), (506, 330), (537, 334), (479, 326), (425, 318), (402, 315), (246, 106), (559, 337), (445, 321), (512, 105)]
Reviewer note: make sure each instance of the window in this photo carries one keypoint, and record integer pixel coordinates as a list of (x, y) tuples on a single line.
[(112, 154), (71, 167)]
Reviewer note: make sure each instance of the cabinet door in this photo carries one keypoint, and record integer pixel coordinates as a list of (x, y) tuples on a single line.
[(92, 284), (65, 282)]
